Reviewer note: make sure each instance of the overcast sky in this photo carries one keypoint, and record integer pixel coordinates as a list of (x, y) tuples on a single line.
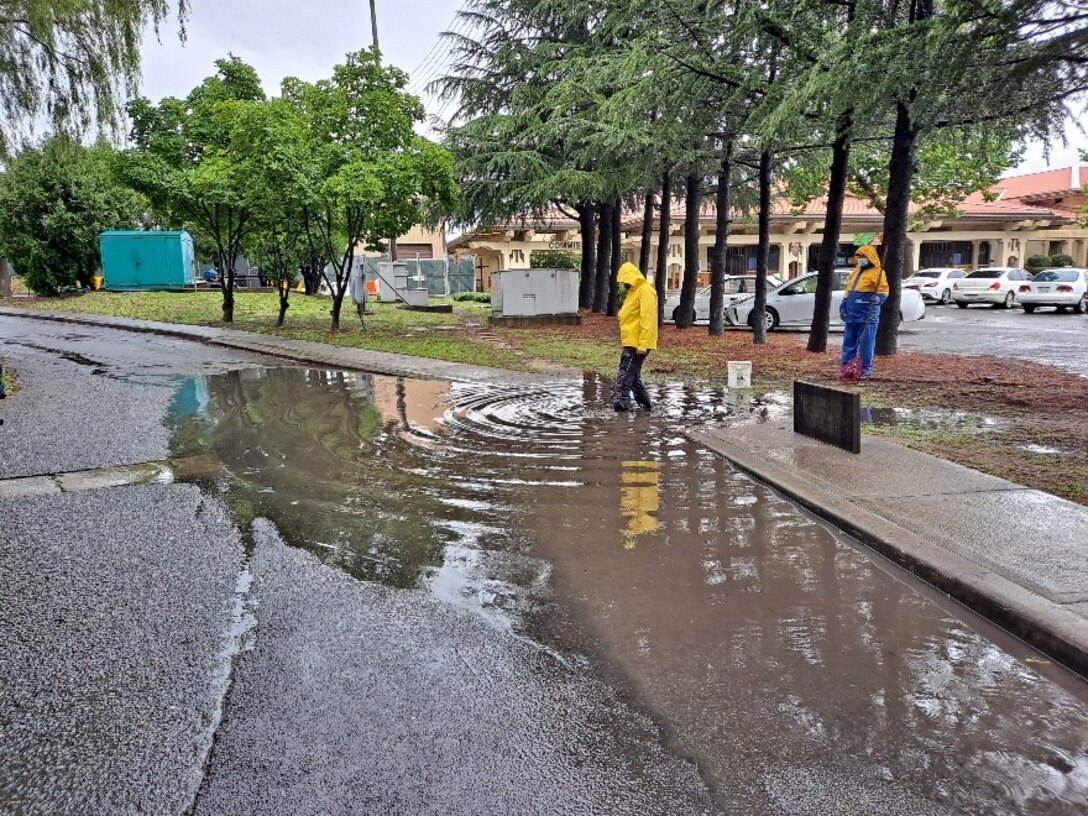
[(306, 39)]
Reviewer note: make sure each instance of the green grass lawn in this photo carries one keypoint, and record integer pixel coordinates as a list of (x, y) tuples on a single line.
[(389, 328)]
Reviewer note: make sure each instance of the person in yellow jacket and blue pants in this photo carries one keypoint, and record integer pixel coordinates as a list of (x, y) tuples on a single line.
[(638, 336), (860, 312)]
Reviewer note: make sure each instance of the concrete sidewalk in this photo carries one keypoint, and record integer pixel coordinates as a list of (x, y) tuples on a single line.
[(1019, 557)]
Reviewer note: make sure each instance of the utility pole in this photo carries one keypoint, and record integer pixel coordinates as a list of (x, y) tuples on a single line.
[(374, 37), (374, 21)]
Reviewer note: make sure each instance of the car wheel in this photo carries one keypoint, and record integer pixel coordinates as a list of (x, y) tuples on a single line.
[(676, 315), (1080, 307), (946, 297), (1010, 299), (1028, 309), (770, 319), (962, 304)]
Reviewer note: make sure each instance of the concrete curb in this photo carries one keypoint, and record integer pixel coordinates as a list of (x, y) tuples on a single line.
[(1037, 621), (315, 353)]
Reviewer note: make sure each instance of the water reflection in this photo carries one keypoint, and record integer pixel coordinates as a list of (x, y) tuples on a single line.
[(317, 453), (639, 500), (772, 648)]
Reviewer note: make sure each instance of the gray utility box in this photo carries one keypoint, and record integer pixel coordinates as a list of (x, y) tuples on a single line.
[(534, 292), (396, 282)]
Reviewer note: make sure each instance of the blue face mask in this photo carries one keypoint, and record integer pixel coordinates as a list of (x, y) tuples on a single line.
[(864, 263)]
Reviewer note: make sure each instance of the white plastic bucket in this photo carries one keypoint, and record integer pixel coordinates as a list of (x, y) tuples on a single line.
[(739, 373)]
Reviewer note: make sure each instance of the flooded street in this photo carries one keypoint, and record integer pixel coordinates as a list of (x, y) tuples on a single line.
[(798, 671)]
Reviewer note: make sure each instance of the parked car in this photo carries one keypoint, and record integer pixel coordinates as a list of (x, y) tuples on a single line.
[(934, 284), (1063, 288), (736, 286), (794, 302), (995, 285)]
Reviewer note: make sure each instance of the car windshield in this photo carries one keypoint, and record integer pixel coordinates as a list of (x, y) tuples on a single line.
[(928, 273), (1056, 275), (987, 273), (804, 286), (740, 286)]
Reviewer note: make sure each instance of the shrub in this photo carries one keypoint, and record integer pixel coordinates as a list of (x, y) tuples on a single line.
[(475, 297), (1061, 260), (554, 259), (1037, 262)]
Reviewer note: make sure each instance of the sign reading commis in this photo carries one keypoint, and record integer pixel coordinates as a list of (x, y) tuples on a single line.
[(570, 245)]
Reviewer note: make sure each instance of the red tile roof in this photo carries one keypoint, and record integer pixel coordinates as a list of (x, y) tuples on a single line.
[(1030, 196)]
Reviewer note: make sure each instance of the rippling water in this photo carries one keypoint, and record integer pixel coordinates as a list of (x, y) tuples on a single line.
[(792, 665)]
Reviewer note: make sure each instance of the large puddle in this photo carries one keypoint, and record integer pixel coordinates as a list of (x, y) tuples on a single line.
[(789, 663)]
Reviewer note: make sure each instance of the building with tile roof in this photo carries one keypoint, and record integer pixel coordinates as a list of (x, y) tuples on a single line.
[(1021, 216)]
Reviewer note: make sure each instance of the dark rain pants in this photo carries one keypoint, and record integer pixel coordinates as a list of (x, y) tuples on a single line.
[(629, 379)]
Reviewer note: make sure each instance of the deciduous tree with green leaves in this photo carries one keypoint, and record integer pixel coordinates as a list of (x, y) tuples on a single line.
[(55, 200), (185, 163), (373, 177), (268, 141)]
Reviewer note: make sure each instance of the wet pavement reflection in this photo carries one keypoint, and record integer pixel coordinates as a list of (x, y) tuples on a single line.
[(793, 666)]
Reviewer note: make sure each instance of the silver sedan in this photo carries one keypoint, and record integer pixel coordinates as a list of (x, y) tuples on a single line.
[(793, 303), (736, 286)]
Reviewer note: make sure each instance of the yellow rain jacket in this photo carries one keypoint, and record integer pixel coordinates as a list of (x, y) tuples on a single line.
[(873, 278), (638, 316)]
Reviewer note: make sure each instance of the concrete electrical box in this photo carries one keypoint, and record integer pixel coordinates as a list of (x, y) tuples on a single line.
[(531, 293)]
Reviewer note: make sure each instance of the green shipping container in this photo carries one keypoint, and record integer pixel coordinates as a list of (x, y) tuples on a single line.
[(147, 259)]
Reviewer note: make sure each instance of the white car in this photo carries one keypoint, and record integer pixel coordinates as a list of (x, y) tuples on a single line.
[(995, 285), (934, 284), (1062, 288), (736, 287), (794, 302)]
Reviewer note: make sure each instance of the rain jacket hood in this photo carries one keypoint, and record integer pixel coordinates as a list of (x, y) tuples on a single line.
[(638, 317), (872, 278)]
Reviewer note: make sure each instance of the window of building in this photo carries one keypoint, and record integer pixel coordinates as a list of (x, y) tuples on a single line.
[(409, 252), (934, 254), (844, 256)]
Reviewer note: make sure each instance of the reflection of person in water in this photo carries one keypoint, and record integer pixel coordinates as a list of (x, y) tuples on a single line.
[(639, 500)]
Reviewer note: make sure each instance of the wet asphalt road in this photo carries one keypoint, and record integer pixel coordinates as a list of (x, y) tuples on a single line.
[(529, 606), (123, 608), (1043, 337)]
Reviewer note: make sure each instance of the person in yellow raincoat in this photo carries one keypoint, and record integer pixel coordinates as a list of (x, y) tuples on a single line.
[(638, 336), (866, 292)]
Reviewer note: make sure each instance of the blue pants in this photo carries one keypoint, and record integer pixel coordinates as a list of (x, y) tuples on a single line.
[(861, 317), (629, 378)]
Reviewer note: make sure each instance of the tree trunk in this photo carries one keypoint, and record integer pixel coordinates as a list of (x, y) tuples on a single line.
[(763, 254), (586, 288), (721, 245), (284, 293), (692, 202), (617, 259), (829, 246), (5, 279), (901, 170), (604, 257), (226, 284), (647, 234), (334, 312), (661, 274)]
